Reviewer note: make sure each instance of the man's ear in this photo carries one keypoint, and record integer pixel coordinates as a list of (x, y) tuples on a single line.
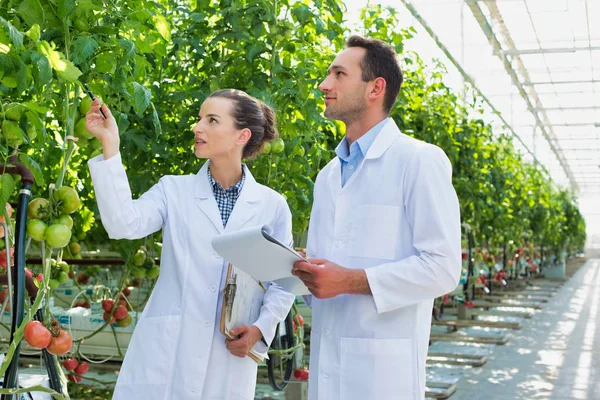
[(377, 88), (244, 136)]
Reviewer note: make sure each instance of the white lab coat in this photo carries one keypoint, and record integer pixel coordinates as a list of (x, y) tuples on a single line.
[(397, 217), (177, 350)]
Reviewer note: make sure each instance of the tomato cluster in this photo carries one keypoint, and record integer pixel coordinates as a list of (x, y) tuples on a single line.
[(77, 369), (50, 337), (121, 311), (144, 266), (50, 221)]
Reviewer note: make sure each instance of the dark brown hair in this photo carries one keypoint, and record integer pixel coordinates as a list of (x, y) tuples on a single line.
[(380, 60), (253, 114)]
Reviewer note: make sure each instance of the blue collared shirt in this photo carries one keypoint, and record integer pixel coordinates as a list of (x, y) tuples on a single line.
[(226, 199), (351, 158)]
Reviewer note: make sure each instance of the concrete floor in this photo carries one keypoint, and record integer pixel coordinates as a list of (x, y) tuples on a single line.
[(556, 355)]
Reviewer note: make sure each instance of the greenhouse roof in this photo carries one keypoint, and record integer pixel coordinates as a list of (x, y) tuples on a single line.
[(538, 64)]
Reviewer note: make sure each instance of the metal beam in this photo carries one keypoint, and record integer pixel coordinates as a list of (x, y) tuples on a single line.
[(559, 50), (567, 82), (574, 108), (531, 99), (411, 8)]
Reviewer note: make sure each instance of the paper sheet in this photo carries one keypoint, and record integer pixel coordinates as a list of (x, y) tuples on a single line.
[(264, 258)]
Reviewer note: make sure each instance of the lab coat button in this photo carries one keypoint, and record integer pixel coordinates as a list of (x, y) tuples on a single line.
[(206, 323), (325, 376), (351, 167), (327, 332), (213, 288)]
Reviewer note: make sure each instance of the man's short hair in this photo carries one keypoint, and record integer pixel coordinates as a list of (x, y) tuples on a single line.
[(380, 60)]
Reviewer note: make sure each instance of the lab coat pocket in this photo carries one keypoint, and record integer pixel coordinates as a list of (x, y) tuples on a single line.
[(151, 352), (375, 232), (379, 369)]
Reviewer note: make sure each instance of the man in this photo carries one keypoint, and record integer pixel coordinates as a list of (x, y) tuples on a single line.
[(385, 237)]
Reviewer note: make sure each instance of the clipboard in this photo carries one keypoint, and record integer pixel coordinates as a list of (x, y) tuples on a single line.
[(242, 300), (263, 257)]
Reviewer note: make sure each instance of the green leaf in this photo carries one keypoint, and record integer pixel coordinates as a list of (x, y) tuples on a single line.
[(34, 33), (141, 98), (128, 50), (32, 12), (7, 186), (16, 37), (83, 48), (63, 67), (163, 27), (156, 121), (34, 167), (42, 72), (65, 8), (21, 77), (254, 50)]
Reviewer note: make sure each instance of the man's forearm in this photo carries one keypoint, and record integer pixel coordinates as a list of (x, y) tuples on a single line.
[(357, 282)]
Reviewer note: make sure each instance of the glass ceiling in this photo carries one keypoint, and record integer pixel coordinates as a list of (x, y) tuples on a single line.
[(538, 63)]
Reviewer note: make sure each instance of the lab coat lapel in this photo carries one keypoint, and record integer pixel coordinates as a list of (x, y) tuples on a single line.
[(246, 204), (205, 199)]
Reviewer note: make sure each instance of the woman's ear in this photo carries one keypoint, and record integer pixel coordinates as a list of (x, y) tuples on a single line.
[(244, 136)]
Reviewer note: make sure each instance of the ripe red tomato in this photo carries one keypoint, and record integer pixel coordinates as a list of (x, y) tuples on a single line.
[(73, 378), (300, 320), (120, 312), (82, 368), (106, 316), (70, 364), (60, 344), (37, 335), (301, 374), (107, 305)]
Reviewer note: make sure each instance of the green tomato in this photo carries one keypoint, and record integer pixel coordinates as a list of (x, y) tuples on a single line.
[(53, 283), (139, 258), (81, 25), (12, 132), (66, 220), (84, 105), (153, 272), (58, 236), (139, 272), (38, 208), (149, 263), (267, 148), (64, 267), (277, 146), (63, 277), (81, 131), (36, 229), (68, 198), (125, 321), (75, 248)]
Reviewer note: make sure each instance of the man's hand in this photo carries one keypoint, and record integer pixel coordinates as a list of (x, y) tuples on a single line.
[(247, 336), (325, 279)]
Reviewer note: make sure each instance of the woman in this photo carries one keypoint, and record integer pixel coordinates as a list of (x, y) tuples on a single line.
[(177, 350)]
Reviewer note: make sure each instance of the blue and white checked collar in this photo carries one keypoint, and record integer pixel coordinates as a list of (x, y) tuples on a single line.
[(226, 199)]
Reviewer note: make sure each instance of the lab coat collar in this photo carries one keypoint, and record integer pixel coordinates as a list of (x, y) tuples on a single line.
[(243, 209), (389, 133)]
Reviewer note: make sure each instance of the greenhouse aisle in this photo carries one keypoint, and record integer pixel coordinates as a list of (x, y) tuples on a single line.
[(554, 356)]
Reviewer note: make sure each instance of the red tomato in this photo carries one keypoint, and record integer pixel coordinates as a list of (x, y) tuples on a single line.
[(73, 378), (60, 344), (82, 368), (108, 304), (106, 316), (28, 273), (70, 364), (37, 335), (301, 374), (120, 312), (300, 320)]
